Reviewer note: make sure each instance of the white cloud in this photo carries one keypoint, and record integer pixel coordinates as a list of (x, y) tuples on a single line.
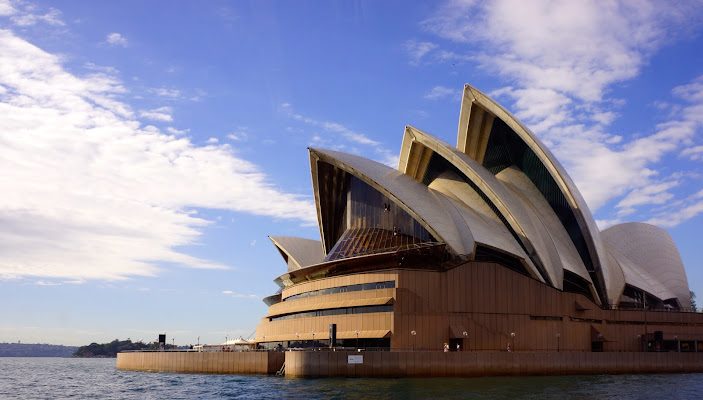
[(175, 131), (158, 114), (562, 59), (25, 14), (606, 223), (692, 92), (89, 194), (115, 39), (452, 57), (239, 135), (333, 127), (163, 92), (213, 140), (343, 139), (678, 216), (6, 8), (651, 194), (45, 283), (101, 68), (694, 153), (441, 92), (417, 50), (239, 295)]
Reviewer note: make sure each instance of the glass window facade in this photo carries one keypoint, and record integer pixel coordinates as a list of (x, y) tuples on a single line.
[(487, 254), (575, 284), (344, 289), (360, 220), (335, 311), (364, 343)]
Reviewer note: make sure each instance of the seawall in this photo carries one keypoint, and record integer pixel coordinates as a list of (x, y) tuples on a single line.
[(313, 364), (246, 362), (474, 364)]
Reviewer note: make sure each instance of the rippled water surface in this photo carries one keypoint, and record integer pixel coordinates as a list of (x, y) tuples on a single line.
[(62, 378)]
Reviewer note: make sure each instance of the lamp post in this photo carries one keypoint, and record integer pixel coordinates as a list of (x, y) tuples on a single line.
[(297, 334), (512, 335), (558, 337), (639, 337), (466, 340), (226, 339), (198, 340), (678, 344), (313, 339), (357, 339), (173, 340), (413, 333)]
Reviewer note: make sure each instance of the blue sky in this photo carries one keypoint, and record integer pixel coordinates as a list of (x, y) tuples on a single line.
[(147, 149)]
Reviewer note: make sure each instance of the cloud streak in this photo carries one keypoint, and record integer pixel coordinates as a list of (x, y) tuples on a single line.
[(90, 193), (441, 92), (158, 114), (417, 50), (352, 139)]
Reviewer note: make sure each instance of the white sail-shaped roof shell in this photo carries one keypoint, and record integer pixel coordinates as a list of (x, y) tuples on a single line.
[(298, 252), (653, 258), (478, 112)]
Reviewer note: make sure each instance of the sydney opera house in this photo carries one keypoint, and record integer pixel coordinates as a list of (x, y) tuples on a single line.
[(483, 246)]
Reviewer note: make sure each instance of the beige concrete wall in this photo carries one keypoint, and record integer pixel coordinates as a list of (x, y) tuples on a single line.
[(471, 364), (252, 362)]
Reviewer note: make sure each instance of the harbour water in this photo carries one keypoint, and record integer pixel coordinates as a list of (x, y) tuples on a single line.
[(65, 378)]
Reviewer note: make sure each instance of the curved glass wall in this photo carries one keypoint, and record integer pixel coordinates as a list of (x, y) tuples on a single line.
[(343, 289), (360, 220), (335, 311)]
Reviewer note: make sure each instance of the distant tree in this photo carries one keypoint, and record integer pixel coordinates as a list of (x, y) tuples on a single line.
[(111, 349), (693, 300)]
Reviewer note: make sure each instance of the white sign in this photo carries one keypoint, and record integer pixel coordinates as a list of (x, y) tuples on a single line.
[(355, 359)]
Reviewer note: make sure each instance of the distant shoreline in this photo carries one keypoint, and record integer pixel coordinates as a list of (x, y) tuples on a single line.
[(36, 350)]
